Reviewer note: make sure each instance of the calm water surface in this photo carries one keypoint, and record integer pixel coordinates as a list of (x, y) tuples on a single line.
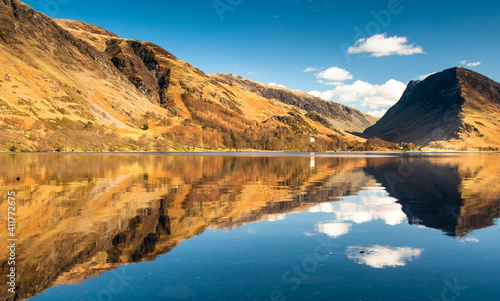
[(254, 226)]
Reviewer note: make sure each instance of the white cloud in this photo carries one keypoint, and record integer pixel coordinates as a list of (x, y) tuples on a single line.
[(377, 113), (381, 45), (424, 76), (310, 69), (333, 229), (320, 81), (372, 96), (380, 257), (252, 73), (277, 85), (470, 64), (334, 74), (315, 93), (326, 95), (334, 84)]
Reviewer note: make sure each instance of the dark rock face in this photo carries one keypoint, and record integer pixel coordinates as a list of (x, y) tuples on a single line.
[(339, 116), (485, 90), (139, 64), (149, 54), (433, 109)]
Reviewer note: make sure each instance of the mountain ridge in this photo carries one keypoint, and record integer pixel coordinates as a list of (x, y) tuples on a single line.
[(338, 115), (67, 85)]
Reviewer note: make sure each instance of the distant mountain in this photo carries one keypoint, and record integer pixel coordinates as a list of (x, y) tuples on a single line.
[(455, 107), (67, 85), (338, 115)]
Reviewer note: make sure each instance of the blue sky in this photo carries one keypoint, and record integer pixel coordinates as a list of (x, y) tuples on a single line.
[(390, 42)]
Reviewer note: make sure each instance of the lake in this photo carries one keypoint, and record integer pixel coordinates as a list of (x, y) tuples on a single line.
[(253, 226)]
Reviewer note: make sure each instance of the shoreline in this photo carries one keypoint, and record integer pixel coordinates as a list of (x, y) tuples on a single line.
[(249, 152)]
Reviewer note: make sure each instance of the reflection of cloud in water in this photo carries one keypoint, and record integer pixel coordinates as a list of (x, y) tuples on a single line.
[(380, 257), (325, 207), (278, 217), (370, 208), (375, 188), (333, 229), (469, 239)]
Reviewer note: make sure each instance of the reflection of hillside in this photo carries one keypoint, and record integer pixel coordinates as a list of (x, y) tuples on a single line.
[(81, 215), (332, 181), (455, 193)]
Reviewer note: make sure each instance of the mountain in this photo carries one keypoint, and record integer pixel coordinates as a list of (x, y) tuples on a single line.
[(67, 85), (338, 115), (453, 108)]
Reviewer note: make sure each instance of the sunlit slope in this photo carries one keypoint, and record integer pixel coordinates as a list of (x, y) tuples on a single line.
[(67, 85)]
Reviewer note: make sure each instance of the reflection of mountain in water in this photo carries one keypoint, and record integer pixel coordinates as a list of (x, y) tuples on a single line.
[(81, 215), (456, 194)]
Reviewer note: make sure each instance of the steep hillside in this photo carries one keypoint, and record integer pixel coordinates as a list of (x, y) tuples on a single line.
[(47, 74), (66, 85), (338, 115), (454, 108)]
